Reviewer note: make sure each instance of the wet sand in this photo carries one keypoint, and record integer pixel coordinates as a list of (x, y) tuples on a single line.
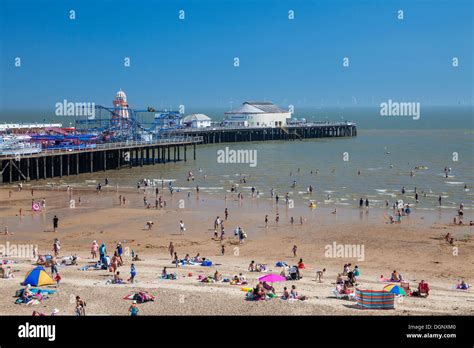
[(415, 248)]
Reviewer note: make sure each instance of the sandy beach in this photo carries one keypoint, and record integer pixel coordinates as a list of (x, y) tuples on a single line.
[(415, 248)]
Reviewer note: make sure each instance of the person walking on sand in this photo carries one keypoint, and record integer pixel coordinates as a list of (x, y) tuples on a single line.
[(56, 246), (133, 273), (55, 223), (295, 248), (266, 221), (222, 249), (176, 259), (439, 200), (182, 229), (171, 249), (226, 213), (277, 218), (94, 249)]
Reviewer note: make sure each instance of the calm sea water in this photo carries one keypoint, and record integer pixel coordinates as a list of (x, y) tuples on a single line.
[(385, 151)]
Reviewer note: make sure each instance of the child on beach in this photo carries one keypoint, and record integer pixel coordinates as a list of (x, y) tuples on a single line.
[(295, 248), (133, 273), (133, 309), (57, 279)]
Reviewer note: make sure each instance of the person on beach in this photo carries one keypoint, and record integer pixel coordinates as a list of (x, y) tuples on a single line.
[(320, 274), (439, 200), (295, 248), (133, 309), (366, 202), (361, 202), (55, 223), (286, 294), (94, 249), (80, 306), (120, 252), (266, 221), (222, 249), (277, 218), (301, 264), (252, 267), (181, 227), (56, 246), (176, 260), (149, 225), (57, 279), (171, 249), (117, 278), (226, 213), (133, 273)]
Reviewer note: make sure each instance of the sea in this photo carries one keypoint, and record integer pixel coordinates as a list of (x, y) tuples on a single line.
[(388, 154)]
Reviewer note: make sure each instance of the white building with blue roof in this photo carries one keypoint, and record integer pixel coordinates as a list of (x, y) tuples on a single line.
[(258, 114)]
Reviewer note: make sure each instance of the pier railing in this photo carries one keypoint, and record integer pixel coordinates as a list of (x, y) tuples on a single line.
[(241, 127), (110, 146)]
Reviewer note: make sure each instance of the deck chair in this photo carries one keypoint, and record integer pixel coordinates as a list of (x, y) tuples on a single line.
[(406, 286)]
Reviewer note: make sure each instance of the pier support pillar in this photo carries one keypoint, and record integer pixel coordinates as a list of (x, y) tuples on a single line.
[(10, 164), (60, 166), (37, 168), (185, 150), (194, 151), (68, 165), (28, 169)]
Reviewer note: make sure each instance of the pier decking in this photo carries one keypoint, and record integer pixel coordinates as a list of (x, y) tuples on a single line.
[(60, 162), (215, 135)]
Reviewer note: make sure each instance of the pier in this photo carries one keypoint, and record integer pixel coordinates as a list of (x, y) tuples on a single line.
[(110, 156), (214, 135), (172, 146)]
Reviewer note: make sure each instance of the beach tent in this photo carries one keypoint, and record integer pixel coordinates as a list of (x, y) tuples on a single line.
[(38, 277), (375, 299)]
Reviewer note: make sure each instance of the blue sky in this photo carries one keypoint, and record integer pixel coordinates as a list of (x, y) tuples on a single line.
[(190, 61)]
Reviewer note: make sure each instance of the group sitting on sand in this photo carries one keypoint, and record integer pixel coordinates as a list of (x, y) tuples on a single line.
[(257, 267)]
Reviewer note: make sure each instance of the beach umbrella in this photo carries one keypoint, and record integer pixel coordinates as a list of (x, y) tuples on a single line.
[(395, 289), (272, 278)]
